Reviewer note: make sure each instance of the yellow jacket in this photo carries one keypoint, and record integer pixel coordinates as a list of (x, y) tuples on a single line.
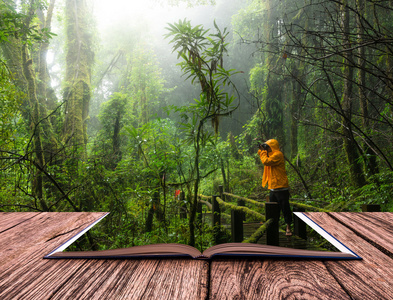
[(274, 173)]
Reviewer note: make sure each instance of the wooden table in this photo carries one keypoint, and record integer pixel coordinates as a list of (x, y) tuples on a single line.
[(25, 238)]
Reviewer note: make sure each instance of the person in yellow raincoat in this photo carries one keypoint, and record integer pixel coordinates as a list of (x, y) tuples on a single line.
[(275, 176)]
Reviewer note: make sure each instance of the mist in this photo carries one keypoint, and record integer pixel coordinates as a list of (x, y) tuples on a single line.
[(127, 25)]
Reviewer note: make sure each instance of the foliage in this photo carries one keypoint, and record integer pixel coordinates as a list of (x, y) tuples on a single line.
[(202, 62), (10, 102), (145, 85), (379, 190), (141, 152), (12, 24)]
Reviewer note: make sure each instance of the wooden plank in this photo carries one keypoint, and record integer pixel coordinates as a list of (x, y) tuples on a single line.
[(137, 279), (81, 279), (109, 279), (11, 219), (273, 279), (42, 228), (370, 278), (29, 276), (179, 279), (22, 268), (28, 229), (376, 227), (37, 279)]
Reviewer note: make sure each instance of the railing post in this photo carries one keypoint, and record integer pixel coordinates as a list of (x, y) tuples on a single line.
[(221, 192), (237, 218), (237, 226), (272, 212), (216, 211), (242, 203), (216, 218), (299, 227), (371, 208)]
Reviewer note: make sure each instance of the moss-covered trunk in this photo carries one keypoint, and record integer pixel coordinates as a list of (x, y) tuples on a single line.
[(35, 127), (295, 111), (78, 76), (26, 66), (350, 144), (194, 201), (370, 156), (45, 93), (273, 99)]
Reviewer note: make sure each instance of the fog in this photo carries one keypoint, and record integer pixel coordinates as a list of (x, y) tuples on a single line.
[(155, 14), (125, 25)]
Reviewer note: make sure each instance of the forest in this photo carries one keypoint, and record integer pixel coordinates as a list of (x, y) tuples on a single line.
[(138, 109)]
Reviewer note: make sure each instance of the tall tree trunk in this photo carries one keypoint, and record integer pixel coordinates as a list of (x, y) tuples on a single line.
[(274, 108), (370, 157), (274, 97), (35, 115), (45, 93), (294, 111), (194, 201), (35, 121), (155, 208), (35, 127), (116, 140), (78, 75), (30, 75), (12, 51), (350, 144)]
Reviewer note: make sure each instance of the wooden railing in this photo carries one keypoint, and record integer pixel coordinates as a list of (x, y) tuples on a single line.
[(270, 220)]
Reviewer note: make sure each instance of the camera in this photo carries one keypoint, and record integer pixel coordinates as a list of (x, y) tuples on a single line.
[(264, 146)]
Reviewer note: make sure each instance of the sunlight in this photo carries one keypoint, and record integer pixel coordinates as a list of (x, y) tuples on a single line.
[(155, 14)]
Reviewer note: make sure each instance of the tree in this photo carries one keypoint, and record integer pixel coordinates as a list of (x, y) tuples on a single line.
[(332, 53), (202, 61), (350, 144), (370, 157), (77, 90), (145, 84), (112, 118), (21, 35)]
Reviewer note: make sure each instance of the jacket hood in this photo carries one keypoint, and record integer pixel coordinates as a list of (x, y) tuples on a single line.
[(273, 144)]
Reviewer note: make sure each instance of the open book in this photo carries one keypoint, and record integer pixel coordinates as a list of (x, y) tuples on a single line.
[(179, 250), (244, 250)]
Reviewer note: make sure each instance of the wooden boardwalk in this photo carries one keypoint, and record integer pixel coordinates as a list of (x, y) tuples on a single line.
[(25, 238)]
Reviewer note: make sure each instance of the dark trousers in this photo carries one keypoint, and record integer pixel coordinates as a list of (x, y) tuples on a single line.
[(282, 198)]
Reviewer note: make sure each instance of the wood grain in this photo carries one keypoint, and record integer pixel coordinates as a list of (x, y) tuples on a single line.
[(137, 279), (23, 247), (273, 279), (37, 279), (24, 274), (376, 227), (108, 279), (370, 278), (9, 220), (179, 279), (45, 231)]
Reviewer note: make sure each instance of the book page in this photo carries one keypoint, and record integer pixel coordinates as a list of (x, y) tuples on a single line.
[(235, 249), (157, 250)]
